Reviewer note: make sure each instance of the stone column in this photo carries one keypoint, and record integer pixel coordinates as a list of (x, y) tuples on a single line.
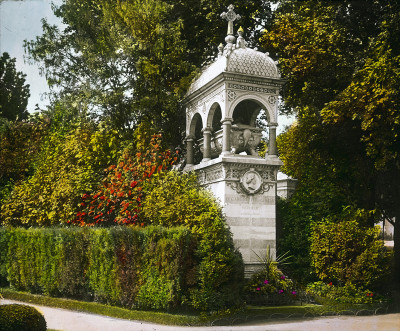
[(272, 150), (207, 144), (226, 136), (189, 150)]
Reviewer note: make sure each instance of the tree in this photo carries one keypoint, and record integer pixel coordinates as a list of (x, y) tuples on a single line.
[(133, 60), (341, 60), (14, 93), (70, 160), (20, 143)]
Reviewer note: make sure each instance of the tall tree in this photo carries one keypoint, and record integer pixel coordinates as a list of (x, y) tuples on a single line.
[(133, 60), (341, 60), (14, 93)]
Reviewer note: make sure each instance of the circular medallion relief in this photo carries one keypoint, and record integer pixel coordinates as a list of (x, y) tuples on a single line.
[(251, 181)]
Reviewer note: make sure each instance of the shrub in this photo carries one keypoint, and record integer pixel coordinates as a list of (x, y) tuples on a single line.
[(152, 267), (67, 165), (177, 199), (349, 293), (119, 198), (21, 318), (270, 285), (347, 253)]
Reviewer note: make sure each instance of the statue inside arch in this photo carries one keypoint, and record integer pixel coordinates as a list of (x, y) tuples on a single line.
[(245, 137)]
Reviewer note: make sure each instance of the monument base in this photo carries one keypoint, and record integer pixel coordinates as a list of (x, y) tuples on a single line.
[(246, 188)]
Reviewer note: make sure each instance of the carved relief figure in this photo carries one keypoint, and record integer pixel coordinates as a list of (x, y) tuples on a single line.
[(245, 138)]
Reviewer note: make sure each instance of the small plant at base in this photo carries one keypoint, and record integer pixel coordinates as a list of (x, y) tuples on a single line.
[(270, 280)]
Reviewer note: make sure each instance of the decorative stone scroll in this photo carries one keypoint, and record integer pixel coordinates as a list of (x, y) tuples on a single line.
[(239, 178), (251, 88), (250, 182)]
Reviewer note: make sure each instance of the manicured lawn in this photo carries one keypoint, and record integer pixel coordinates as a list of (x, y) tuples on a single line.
[(248, 314)]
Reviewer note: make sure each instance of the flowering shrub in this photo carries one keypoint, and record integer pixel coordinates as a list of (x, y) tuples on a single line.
[(119, 198), (271, 282), (264, 282)]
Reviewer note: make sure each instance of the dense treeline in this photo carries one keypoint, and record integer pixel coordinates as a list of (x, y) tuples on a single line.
[(341, 60)]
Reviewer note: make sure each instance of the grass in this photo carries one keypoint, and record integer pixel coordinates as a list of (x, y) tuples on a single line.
[(248, 314), (105, 310)]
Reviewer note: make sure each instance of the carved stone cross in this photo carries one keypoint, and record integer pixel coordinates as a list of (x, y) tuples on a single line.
[(230, 16)]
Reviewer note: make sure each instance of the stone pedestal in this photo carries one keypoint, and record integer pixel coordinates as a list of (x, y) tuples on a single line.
[(246, 187)]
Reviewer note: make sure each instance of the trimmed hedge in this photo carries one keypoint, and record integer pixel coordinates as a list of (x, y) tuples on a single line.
[(152, 267), (16, 317)]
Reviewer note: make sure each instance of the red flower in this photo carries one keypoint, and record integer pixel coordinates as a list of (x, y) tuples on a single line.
[(133, 183), (330, 284)]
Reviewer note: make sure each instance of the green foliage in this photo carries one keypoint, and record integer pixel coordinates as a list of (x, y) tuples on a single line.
[(293, 232), (71, 161), (348, 293), (134, 60), (269, 285), (120, 197), (14, 94), (341, 62), (21, 318), (154, 267), (177, 199), (19, 144), (346, 252)]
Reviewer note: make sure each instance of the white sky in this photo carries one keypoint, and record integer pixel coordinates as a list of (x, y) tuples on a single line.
[(20, 20)]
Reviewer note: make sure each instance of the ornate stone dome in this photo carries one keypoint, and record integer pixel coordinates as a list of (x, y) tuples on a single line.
[(236, 58), (241, 60), (251, 62)]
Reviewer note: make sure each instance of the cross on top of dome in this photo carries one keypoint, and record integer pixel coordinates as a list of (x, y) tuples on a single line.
[(230, 16)]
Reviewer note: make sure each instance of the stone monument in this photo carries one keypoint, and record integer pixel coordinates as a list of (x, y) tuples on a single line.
[(222, 106)]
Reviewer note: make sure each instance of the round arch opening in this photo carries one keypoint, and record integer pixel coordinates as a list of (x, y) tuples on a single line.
[(246, 112), (196, 126)]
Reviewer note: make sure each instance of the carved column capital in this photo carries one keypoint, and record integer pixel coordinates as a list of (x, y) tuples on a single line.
[(227, 120), (207, 129)]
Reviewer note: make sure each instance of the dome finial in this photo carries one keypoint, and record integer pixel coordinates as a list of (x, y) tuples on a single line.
[(241, 42), (230, 39)]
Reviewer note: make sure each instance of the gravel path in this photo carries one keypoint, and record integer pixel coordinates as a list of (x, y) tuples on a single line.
[(61, 319)]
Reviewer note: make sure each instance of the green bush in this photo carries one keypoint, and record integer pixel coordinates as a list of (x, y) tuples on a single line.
[(67, 165), (177, 199), (349, 293), (152, 267), (21, 318), (347, 253)]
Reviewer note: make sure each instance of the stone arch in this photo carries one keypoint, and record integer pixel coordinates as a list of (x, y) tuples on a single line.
[(262, 104), (214, 117), (196, 125)]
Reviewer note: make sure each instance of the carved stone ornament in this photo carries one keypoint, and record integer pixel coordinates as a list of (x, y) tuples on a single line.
[(251, 181)]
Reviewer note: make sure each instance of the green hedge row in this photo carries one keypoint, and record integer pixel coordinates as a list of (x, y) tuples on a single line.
[(153, 267)]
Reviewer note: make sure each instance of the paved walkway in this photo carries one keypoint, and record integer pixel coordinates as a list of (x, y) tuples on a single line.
[(61, 319)]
